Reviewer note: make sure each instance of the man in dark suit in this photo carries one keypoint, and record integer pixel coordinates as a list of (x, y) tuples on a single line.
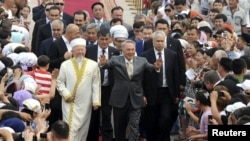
[(98, 13), (93, 52), (127, 96), (57, 32), (172, 44), (161, 90), (38, 23), (44, 31), (67, 19), (38, 11), (59, 51)]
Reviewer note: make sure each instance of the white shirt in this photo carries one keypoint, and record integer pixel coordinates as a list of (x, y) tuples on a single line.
[(67, 43), (99, 51), (164, 84), (97, 21)]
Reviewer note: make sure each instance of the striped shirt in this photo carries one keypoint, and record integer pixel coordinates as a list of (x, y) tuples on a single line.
[(42, 78)]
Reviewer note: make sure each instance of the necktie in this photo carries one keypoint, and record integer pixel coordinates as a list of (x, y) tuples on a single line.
[(102, 70), (160, 83), (99, 23), (130, 69)]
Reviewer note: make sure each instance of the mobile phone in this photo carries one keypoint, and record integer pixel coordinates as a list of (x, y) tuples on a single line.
[(47, 107), (27, 123), (210, 117)]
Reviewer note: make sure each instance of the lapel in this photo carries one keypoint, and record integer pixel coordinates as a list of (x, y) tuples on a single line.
[(110, 52), (124, 68), (151, 57), (169, 44), (95, 53), (62, 46), (166, 60)]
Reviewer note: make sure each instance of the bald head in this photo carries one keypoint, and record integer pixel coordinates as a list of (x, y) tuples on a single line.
[(72, 31)]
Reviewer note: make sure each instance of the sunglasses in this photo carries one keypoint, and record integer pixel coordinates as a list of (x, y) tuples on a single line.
[(58, 3), (168, 10), (47, 9)]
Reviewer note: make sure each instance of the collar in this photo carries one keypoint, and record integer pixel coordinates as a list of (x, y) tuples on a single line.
[(100, 49), (101, 20), (126, 61), (156, 51), (65, 39)]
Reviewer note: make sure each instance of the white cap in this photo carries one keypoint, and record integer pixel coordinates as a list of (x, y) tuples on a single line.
[(8, 129), (13, 57), (120, 34), (118, 29), (2, 66), (232, 107), (10, 47), (32, 104), (244, 85), (203, 24), (27, 59), (77, 42)]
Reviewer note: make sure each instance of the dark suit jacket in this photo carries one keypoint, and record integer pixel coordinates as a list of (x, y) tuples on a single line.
[(34, 33), (124, 87), (174, 45), (37, 12), (67, 19), (139, 47), (45, 45), (56, 53), (44, 32), (151, 79), (92, 52)]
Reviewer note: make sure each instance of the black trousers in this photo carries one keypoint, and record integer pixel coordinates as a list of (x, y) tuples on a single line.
[(160, 117), (126, 117), (103, 114)]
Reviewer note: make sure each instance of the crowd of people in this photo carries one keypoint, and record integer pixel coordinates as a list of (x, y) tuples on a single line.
[(181, 66)]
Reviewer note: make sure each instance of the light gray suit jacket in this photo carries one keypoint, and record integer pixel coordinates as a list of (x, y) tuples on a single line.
[(124, 87)]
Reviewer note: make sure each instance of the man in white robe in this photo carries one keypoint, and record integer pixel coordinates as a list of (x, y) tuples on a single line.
[(79, 85)]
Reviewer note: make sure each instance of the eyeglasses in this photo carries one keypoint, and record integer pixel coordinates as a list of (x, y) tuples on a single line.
[(168, 10), (58, 3)]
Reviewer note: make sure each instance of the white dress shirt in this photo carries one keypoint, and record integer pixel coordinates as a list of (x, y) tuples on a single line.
[(164, 84), (105, 80)]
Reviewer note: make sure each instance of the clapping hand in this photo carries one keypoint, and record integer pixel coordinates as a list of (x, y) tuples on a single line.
[(158, 64), (103, 60)]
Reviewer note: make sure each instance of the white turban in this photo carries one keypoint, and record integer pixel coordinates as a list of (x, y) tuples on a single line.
[(77, 42), (120, 30)]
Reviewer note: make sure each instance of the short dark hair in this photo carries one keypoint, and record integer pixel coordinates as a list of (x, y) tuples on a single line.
[(214, 10), (180, 2), (103, 32), (161, 21), (116, 8), (115, 20), (43, 61), (225, 63), (61, 129), (238, 65), (80, 12), (97, 3), (55, 8), (221, 16), (138, 25)]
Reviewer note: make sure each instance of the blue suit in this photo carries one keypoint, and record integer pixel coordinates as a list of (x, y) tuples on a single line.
[(139, 47)]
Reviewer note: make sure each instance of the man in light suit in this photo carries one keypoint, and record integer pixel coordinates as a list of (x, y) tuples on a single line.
[(161, 90), (107, 81), (127, 96)]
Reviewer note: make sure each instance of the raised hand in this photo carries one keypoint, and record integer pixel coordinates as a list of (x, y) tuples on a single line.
[(103, 60), (158, 64)]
